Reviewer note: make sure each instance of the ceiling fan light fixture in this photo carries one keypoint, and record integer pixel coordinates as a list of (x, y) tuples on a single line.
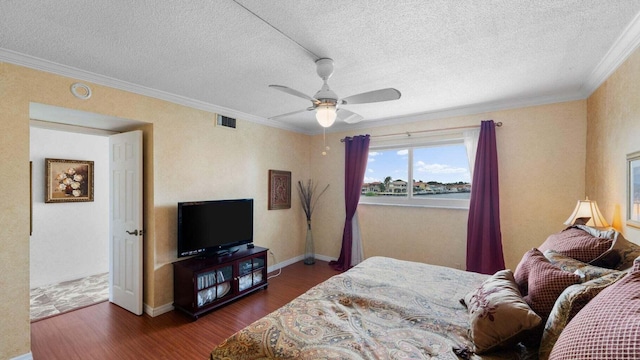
[(325, 102), (326, 115)]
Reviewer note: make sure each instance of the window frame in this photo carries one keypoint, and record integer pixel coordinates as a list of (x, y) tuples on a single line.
[(410, 200)]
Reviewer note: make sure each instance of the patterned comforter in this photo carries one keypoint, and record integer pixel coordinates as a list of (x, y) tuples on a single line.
[(382, 308)]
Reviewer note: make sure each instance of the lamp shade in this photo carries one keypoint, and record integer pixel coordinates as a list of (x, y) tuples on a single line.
[(588, 213), (326, 115)]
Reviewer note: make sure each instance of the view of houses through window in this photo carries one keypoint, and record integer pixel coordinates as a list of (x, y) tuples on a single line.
[(436, 172)]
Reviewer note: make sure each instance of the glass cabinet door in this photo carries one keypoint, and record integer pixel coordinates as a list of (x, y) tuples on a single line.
[(258, 263), (245, 267), (251, 273), (213, 285)]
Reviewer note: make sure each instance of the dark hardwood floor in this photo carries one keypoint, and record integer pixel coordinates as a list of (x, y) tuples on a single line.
[(106, 331)]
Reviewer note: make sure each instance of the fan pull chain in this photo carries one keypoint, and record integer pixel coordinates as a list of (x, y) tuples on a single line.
[(324, 141)]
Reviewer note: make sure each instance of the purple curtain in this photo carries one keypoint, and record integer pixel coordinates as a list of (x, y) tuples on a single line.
[(484, 240), (356, 155)]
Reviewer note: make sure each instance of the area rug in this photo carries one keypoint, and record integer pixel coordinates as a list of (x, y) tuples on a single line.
[(71, 295)]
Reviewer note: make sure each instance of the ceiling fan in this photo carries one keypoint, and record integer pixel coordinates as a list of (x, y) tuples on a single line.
[(328, 105)]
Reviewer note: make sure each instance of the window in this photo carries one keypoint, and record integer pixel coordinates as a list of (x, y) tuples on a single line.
[(438, 168)]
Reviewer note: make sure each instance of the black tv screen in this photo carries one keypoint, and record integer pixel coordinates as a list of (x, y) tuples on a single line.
[(214, 227)]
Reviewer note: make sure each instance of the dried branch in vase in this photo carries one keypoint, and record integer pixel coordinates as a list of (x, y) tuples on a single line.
[(308, 197)]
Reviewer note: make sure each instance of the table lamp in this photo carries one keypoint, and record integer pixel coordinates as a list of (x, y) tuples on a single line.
[(587, 213)]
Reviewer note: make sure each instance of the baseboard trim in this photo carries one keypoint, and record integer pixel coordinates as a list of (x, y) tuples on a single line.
[(153, 312), (282, 264), (326, 258), (294, 260), (27, 356)]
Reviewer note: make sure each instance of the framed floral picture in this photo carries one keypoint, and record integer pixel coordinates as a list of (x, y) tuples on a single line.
[(279, 189), (68, 180), (633, 189)]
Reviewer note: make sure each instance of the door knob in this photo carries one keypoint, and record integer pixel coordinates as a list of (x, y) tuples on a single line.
[(135, 232)]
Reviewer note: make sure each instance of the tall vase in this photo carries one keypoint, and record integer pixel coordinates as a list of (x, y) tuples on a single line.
[(309, 255)]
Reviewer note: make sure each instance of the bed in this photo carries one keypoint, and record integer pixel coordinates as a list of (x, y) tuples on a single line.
[(383, 308), (386, 308)]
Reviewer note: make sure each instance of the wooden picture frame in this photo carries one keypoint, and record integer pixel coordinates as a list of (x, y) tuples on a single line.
[(68, 180), (633, 189), (279, 189)]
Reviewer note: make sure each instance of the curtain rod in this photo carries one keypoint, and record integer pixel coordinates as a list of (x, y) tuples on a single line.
[(409, 133)]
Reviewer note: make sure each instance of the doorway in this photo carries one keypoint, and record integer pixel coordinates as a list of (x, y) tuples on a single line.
[(70, 241)]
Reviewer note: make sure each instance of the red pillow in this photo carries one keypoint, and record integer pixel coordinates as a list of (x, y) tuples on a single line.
[(521, 275), (546, 283), (607, 327), (577, 243)]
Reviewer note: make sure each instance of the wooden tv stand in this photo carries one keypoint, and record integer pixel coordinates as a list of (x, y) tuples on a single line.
[(203, 284)]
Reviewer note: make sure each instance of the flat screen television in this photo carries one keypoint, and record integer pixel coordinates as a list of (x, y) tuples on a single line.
[(214, 227)]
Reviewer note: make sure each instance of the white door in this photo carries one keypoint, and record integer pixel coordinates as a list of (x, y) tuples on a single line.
[(125, 244)]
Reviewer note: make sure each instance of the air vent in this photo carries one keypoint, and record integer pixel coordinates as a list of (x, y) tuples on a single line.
[(226, 121)]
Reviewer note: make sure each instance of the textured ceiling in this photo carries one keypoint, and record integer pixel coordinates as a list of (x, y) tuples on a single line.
[(443, 56)]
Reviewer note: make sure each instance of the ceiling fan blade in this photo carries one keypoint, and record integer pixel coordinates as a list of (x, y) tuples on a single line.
[(372, 96), (348, 116), (293, 92), (291, 113)]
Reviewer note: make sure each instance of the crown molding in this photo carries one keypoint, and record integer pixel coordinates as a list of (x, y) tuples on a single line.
[(621, 49), (32, 62), (464, 111)]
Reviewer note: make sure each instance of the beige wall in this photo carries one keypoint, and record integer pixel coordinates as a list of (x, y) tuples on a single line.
[(14, 217), (187, 158), (613, 132), (541, 152), (196, 161)]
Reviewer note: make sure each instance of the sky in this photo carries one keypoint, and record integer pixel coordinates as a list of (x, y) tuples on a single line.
[(445, 164)]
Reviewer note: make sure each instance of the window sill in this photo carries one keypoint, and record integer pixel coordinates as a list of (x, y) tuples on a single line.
[(454, 204)]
